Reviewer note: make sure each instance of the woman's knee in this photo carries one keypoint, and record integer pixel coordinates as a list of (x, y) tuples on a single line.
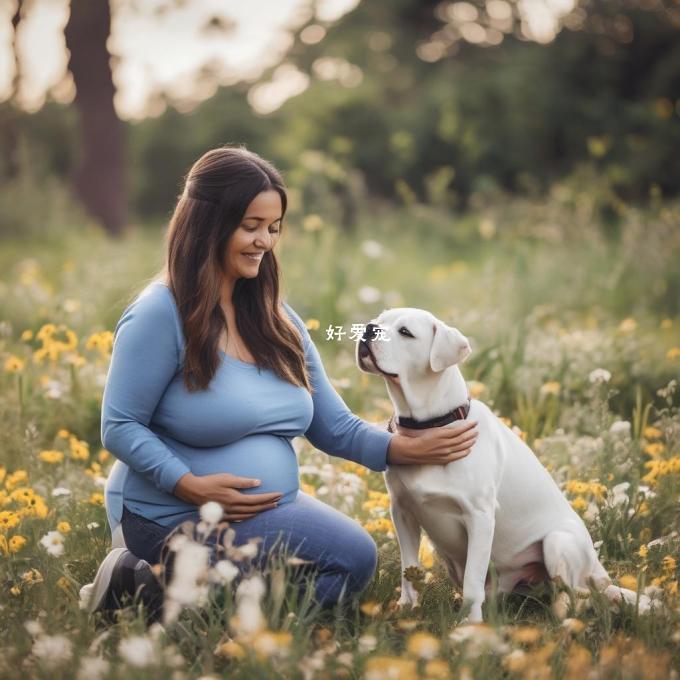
[(361, 561)]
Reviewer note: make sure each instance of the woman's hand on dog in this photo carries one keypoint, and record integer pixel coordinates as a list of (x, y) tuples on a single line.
[(224, 488), (436, 446)]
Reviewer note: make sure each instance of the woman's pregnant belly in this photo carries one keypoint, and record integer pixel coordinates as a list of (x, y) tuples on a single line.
[(267, 457)]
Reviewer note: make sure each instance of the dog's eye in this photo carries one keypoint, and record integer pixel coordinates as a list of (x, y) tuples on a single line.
[(406, 332)]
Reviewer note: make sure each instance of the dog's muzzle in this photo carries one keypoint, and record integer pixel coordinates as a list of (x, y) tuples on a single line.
[(368, 335)]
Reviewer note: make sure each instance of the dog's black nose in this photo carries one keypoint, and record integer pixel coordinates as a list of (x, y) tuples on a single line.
[(369, 333)]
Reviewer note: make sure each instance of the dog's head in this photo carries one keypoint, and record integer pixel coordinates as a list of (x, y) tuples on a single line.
[(409, 343)]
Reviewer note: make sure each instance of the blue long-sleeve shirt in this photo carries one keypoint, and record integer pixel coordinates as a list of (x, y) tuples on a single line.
[(243, 423)]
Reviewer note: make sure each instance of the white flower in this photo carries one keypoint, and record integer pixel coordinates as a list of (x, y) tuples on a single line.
[(620, 427), (61, 491), (367, 643), (368, 294), (34, 627), (599, 375), (478, 638), (53, 542), (93, 525), (225, 571), (52, 650), (211, 513), (138, 651), (249, 594), (618, 494), (92, 668), (54, 389), (372, 249)]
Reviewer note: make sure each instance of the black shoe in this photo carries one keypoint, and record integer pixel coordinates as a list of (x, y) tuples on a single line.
[(121, 578)]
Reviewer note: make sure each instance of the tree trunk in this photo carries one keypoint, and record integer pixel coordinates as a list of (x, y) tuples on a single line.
[(100, 177)]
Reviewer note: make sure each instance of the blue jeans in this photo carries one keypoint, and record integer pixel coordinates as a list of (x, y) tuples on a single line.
[(344, 555)]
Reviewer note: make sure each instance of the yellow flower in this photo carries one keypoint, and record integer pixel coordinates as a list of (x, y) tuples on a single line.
[(63, 434), (371, 608), (673, 354), (672, 587), (51, 456), (379, 525), (426, 553), (652, 432), (628, 325), (628, 581), (14, 364), (4, 549), (666, 324), (643, 551), (102, 342), (269, 643), (476, 389), (27, 335), (390, 668), (103, 455), (423, 645), (655, 449), (15, 590), (16, 543), (437, 669), (308, 489), (8, 520), (312, 324), (64, 527), (64, 583), (312, 223), (80, 450), (16, 478), (31, 576), (668, 564), (525, 635), (3, 473), (551, 387), (230, 649), (579, 503), (96, 498)]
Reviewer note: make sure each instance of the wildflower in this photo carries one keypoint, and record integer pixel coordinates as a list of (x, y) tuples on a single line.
[(371, 608), (369, 295), (372, 249), (620, 427), (551, 387), (628, 581), (53, 542), (652, 432), (8, 520), (367, 643), (15, 590), (269, 644), (96, 498), (211, 513), (187, 586), (80, 450), (423, 645), (476, 389), (643, 551), (426, 553), (312, 324), (673, 354), (138, 651), (574, 626), (50, 456), (31, 577), (64, 527), (63, 434), (52, 650), (16, 543), (599, 375), (224, 572), (579, 503), (14, 364), (655, 449), (578, 661), (436, 669), (92, 525), (628, 325), (93, 668), (63, 583), (102, 342), (390, 668), (60, 491), (312, 223), (230, 649), (16, 478), (249, 619), (668, 565), (478, 639), (526, 635), (27, 335)]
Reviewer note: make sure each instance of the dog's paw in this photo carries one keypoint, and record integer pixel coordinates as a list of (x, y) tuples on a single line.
[(405, 602)]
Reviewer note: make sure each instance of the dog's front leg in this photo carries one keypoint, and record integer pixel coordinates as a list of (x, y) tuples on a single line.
[(480, 527), (408, 536)]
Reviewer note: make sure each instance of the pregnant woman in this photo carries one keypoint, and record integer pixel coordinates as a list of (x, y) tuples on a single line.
[(211, 378)]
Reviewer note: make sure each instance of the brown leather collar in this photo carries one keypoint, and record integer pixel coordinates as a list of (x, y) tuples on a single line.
[(459, 413)]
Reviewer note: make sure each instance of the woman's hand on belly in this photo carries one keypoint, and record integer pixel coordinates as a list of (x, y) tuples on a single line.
[(224, 488)]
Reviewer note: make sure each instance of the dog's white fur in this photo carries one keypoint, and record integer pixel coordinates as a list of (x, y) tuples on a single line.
[(498, 503)]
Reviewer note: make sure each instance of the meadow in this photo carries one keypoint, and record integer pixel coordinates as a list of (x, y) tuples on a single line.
[(573, 315)]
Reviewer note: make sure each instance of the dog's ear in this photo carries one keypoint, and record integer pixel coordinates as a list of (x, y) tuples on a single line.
[(449, 347)]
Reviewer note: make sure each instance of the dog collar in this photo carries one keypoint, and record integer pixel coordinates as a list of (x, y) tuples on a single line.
[(459, 413)]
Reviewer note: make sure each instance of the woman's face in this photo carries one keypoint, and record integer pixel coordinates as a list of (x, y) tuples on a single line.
[(257, 234)]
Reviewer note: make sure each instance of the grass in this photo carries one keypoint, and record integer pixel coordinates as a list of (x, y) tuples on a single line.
[(546, 297)]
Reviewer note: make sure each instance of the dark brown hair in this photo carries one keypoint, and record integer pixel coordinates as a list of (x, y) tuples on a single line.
[(218, 190)]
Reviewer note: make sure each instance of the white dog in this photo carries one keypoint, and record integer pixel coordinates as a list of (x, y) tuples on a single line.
[(498, 503)]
